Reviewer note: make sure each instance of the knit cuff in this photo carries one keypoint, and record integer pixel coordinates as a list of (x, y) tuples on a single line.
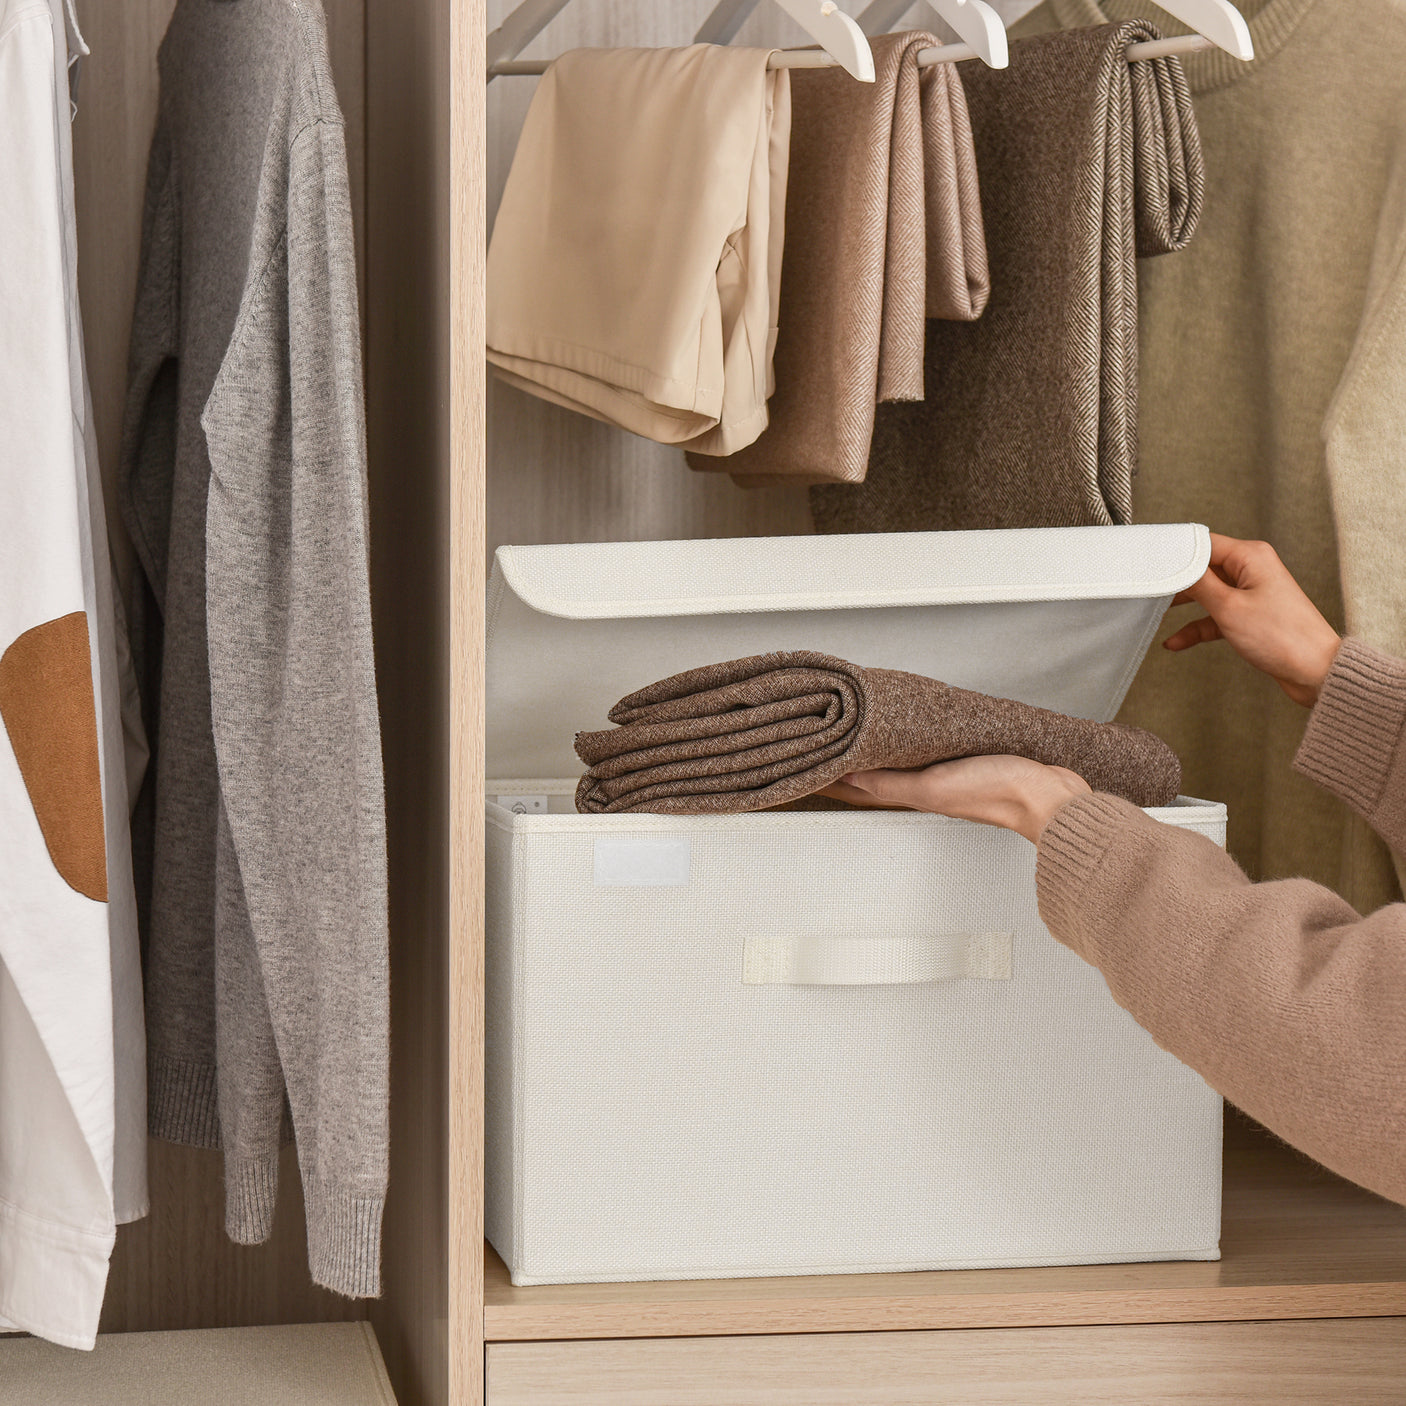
[(1356, 726), (251, 1189), (181, 1102), (1072, 847), (344, 1239)]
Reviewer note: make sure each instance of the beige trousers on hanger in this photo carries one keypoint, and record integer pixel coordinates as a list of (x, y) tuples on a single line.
[(635, 263)]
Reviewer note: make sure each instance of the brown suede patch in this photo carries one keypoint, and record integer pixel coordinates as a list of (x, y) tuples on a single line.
[(46, 702)]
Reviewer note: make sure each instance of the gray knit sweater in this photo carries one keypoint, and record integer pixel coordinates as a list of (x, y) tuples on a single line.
[(243, 485)]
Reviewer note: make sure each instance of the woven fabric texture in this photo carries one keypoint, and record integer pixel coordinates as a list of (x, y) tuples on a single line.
[(652, 1116), (1087, 162), (883, 227), (757, 732)]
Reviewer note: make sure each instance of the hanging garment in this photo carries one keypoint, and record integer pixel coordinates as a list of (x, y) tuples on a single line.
[(1273, 359), (72, 1085), (759, 732), (1086, 162), (244, 490), (124, 751), (635, 263), (883, 229)]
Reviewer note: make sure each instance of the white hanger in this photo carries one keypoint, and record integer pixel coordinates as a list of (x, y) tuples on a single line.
[(836, 33), (978, 26), (841, 40), (1218, 24)]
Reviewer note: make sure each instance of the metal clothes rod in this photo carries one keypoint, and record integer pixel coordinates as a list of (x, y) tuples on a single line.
[(945, 53)]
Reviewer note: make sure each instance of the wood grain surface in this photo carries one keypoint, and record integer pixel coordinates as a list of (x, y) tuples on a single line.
[(1305, 1363), (468, 574), (412, 412), (1297, 1243)]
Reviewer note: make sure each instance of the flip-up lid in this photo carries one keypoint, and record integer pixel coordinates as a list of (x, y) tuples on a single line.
[(1060, 617)]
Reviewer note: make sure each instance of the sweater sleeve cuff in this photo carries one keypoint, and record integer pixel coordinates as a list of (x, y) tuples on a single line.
[(344, 1239), (1355, 728), (1072, 847)]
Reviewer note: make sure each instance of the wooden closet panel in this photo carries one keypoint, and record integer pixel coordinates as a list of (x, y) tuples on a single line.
[(468, 513), (1303, 1363), (177, 1269), (424, 149)]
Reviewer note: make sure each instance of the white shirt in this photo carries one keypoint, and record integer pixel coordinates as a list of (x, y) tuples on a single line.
[(72, 1082)]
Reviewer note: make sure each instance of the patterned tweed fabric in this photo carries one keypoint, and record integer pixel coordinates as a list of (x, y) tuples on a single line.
[(759, 732), (883, 229), (1087, 161)]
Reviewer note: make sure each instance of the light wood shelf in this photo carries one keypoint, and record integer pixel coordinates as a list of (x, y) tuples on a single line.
[(1297, 1243)]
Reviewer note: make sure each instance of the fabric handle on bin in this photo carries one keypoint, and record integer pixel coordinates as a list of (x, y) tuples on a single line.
[(876, 961)]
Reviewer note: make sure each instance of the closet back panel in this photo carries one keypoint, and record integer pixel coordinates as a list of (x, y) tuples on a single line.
[(176, 1269)]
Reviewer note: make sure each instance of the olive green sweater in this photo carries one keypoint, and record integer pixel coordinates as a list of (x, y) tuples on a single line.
[(1281, 995)]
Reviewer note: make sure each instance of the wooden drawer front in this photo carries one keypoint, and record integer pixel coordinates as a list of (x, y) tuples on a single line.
[(1306, 1362)]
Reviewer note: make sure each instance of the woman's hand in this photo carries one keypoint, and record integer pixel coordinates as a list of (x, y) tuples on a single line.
[(1012, 792), (1252, 602), (1256, 606)]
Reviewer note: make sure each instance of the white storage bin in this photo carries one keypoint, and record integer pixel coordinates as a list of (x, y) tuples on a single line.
[(814, 1042)]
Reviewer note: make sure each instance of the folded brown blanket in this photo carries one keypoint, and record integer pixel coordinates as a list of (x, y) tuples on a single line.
[(758, 732), (883, 226), (1087, 162)]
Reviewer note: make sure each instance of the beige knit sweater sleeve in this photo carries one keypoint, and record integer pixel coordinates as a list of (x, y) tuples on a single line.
[(1279, 994)]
